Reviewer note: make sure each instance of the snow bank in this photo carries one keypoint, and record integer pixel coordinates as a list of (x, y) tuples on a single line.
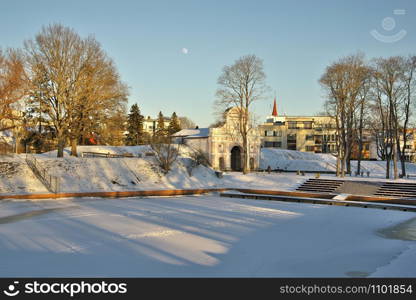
[(140, 172), (316, 162), (296, 160), (135, 150), (120, 174), (16, 177)]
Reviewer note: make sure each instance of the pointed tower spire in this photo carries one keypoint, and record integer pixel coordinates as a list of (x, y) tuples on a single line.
[(274, 113)]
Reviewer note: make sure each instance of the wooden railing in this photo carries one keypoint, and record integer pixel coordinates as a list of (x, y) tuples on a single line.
[(106, 155)]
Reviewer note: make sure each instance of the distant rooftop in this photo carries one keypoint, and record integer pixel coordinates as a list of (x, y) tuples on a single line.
[(193, 133), (148, 118)]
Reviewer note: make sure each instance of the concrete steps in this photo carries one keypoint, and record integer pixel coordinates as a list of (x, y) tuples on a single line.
[(320, 185), (397, 189)]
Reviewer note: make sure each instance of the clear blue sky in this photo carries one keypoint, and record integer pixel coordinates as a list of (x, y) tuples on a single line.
[(296, 39)]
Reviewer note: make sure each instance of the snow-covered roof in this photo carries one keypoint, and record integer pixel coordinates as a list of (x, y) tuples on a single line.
[(193, 133)]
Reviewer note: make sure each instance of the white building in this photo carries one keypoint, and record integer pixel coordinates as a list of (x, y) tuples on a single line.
[(223, 145), (150, 125)]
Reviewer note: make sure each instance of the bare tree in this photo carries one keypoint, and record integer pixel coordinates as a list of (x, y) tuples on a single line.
[(390, 88), (12, 86), (362, 114), (198, 157), (109, 127), (381, 127), (241, 85), (99, 92), (409, 101), (72, 80), (166, 152), (344, 82), (185, 123)]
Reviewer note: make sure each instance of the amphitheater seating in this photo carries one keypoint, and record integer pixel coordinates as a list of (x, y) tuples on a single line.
[(397, 189), (320, 185)]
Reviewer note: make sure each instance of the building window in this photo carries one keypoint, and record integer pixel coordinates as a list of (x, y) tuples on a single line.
[(307, 125), (309, 137), (292, 125), (291, 141), (310, 148), (272, 144), (291, 137)]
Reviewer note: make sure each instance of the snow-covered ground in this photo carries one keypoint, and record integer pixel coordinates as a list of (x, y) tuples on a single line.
[(202, 236), (16, 177), (88, 174), (308, 161), (195, 235)]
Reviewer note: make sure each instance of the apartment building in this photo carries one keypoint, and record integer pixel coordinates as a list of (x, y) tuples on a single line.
[(410, 149), (303, 133)]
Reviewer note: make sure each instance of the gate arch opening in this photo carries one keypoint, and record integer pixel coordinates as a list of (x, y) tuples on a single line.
[(236, 158)]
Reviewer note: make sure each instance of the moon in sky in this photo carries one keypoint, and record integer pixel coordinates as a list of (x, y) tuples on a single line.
[(184, 50)]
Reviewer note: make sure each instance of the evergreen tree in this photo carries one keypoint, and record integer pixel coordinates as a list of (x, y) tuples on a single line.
[(174, 125), (161, 130), (134, 126)]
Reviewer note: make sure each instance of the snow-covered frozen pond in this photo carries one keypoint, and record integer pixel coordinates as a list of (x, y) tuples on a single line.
[(201, 236)]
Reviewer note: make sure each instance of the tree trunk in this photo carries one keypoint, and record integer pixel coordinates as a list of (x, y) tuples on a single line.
[(339, 167), (395, 169), (74, 147), (246, 155), (61, 145), (17, 144), (360, 151), (402, 153), (343, 162), (387, 168), (403, 163), (348, 164), (360, 137)]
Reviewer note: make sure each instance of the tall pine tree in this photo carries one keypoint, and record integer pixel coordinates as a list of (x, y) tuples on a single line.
[(161, 130), (174, 125), (134, 126)]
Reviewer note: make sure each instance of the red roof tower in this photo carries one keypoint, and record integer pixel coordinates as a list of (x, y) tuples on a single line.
[(274, 113)]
